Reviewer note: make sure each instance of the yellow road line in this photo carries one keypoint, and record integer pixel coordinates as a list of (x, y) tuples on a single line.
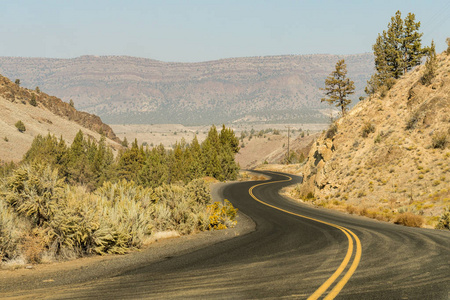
[(326, 285)]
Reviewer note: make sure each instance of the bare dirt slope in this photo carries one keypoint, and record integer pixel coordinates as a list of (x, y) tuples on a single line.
[(15, 106), (390, 154)]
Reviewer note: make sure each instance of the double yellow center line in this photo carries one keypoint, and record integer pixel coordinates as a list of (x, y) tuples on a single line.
[(352, 239)]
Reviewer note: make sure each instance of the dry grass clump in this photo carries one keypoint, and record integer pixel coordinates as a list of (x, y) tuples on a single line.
[(367, 129), (41, 217), (409, 219), (331, 132), (440, 139)]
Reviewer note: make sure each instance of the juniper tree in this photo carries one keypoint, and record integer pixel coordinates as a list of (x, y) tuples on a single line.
[(338, 87), (33, 100), (20, 126)]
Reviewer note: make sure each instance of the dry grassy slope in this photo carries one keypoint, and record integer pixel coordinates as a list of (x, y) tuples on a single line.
[(37, 120), (15, 93), (393, 169)]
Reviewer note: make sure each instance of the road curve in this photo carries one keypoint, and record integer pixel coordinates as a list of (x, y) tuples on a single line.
[(296, 252)]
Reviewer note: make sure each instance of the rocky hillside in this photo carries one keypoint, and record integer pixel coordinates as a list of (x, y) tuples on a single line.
[(137, 90), (389, 155), (41, 114)]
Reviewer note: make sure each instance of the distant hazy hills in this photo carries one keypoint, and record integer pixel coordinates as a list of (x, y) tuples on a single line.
[(136, 90)]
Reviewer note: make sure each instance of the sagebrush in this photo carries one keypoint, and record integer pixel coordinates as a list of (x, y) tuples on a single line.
[(40, 215)]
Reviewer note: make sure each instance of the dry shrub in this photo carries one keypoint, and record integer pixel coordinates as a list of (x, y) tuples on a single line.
[(367, 129), (331, 132), (409, 219), (352, 209), (33, 247), (368, 213), (413, 120), (440, 139), (12, 228)]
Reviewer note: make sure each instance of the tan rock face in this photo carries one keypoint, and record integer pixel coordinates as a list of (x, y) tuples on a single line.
[(399, 166)]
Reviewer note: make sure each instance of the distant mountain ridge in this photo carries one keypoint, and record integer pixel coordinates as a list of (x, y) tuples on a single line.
[(123, 89)]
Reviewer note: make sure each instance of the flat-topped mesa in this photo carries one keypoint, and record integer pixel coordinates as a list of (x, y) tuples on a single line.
[(124, 90)]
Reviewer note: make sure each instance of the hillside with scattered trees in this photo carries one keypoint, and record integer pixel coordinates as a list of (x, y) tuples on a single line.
[(388, 158)]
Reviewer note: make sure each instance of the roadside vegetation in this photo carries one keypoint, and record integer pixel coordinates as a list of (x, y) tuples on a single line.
[(65, 202)]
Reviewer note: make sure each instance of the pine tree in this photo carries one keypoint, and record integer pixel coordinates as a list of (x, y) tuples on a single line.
[(338, 87), (227, 137), (396, 51), (411, 44), (131, 161), (431, 66), (125, 142), (77, 165), (155, 171), (196, 167), (210, 155), (46, 149)]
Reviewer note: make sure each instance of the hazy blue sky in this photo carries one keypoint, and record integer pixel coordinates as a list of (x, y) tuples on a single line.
[(200, 30)]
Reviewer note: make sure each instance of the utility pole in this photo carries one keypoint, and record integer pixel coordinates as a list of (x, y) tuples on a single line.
[(287, 157)]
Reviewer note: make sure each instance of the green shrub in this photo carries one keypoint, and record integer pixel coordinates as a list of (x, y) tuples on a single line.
[(33, 100), (20, 126), (310, 196), (444, 220), (198, 191)]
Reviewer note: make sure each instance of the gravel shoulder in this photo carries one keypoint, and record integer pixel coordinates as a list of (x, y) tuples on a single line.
[(43, 278)]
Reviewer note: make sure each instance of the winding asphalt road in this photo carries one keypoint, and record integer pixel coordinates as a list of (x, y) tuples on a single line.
[(296, 252)]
